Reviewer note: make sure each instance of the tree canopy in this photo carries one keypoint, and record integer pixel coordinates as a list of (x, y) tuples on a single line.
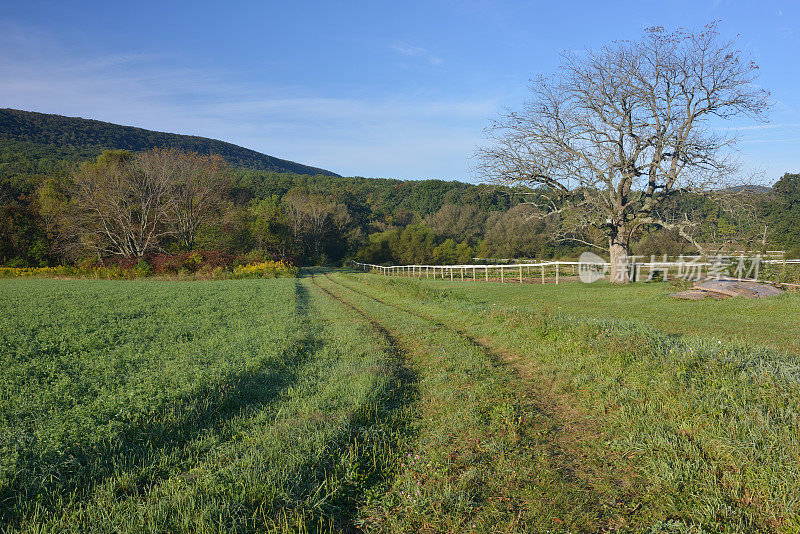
[(620, 131)]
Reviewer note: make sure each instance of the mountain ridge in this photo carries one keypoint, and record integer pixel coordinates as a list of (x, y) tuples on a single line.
[(86, 137)]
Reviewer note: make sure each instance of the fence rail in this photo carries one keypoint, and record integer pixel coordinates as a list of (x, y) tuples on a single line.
[(513, 272), (547, 270), (783, 262)]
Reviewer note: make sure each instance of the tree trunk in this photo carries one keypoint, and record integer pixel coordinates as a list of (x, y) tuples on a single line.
[(618, 248)]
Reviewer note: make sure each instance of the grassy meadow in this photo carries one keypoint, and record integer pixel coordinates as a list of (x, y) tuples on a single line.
[(347, 401), (770, 322)]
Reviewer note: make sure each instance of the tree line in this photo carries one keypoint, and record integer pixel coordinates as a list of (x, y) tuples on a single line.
[(169, 200), (619, 150)]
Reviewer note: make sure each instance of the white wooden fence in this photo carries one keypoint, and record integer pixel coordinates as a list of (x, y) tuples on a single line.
[(515, 272), (784, 262), (518, 272)]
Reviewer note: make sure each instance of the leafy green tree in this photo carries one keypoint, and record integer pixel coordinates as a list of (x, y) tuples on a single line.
[(271, 228), (784, 213), (416, 244), (516, 233), (379, 247), (450, 252)]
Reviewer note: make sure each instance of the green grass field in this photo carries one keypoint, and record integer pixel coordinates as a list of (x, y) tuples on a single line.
[(770, 322), (345, 401)]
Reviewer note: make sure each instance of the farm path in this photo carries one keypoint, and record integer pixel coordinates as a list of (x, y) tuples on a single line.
[(564, 432), (569, 426)]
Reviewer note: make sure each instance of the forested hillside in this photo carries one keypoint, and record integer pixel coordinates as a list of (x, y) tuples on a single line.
[(45, 213), (39, 136)]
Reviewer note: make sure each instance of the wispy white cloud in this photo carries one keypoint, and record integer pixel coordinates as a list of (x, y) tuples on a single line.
[(417, 51), (393, 136), (760, 127), (773, 140)]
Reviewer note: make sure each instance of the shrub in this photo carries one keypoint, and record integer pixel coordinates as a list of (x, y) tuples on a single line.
[(17, 263), (197, 265), (142, 269), (191, 262), (88, 264), (265, 269), (106, 273)]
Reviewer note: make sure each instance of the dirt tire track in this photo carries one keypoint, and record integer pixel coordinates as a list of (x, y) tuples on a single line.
[(394, 346), (566, 428), (557, 409)]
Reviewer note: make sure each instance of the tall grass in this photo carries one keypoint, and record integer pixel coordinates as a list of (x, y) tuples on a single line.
[(192, 407), (483, 459), (709, 426), (339, 401)]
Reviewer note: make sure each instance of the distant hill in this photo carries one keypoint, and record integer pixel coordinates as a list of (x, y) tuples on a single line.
[(55, 137)]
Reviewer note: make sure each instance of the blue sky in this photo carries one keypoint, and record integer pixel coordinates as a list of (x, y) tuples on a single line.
[(381, 89)]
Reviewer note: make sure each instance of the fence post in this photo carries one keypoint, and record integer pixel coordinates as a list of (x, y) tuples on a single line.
[(520, 274), (451, 274), (487, 273), (473, 273), (502, 273), (542, 273), (556, 273), (462, 274)]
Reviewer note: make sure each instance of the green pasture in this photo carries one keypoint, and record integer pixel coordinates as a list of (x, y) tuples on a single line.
[(773, 322), (349, 401)]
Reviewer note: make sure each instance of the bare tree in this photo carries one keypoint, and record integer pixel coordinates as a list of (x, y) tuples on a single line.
[(120, 204), (310, 214), (197, 189), (618, 131), (127, 205)]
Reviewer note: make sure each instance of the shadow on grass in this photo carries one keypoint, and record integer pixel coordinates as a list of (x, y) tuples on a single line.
[(73, 472), (373, 441)]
